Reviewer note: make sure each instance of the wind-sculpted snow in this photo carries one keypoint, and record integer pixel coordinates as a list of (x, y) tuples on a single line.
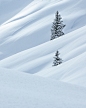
[(27, 77), (34, 23), (39, 60), (9, 8)]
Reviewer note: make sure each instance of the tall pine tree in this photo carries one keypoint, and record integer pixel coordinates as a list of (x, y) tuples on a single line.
[(56, 30), (57, 60)]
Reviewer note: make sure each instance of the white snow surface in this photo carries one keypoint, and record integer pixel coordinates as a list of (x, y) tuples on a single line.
[(27, 77), (21, 90)]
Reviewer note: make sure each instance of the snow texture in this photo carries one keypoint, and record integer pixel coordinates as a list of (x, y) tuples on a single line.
[(27, 77)]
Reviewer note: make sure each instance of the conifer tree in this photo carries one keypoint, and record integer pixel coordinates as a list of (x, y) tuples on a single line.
[(57, 60), (56, 30)]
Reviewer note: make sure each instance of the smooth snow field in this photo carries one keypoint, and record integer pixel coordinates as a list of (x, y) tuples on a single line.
[(28, 78)]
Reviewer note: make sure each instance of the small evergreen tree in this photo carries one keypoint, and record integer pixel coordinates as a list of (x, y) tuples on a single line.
[(57, 60), (57, 27)]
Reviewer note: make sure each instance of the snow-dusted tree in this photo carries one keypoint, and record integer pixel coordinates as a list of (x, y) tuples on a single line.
[(57, 60), (56, 30)]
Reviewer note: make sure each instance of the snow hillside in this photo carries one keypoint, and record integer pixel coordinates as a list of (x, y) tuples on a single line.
[(8, 8), (39, 60), (27, 77), (34, 22), (21, 90)]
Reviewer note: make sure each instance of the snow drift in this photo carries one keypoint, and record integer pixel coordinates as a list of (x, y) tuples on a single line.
[(27, 77)]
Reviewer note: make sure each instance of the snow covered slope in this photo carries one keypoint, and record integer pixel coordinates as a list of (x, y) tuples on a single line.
[(31, 27), (39, 59), (27, 77), (21, 90), (9, 8)]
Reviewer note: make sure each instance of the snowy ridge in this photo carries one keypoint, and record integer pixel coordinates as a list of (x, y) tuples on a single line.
[(27, 77)]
